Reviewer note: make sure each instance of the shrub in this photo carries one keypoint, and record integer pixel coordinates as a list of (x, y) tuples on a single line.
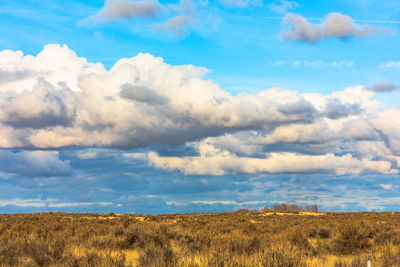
[(9, 255), (356, 262), (39, 252), (353, 237), (324, 233), (156, 256), (297, 238), (312, 233), (279, 257), (382, 238), (131, 238)]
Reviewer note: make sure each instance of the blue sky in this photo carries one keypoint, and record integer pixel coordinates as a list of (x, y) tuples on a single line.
[(198, 106)]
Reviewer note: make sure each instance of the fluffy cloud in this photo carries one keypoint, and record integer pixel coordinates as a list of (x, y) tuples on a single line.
[(142, 102), (345, 146), (22, 110), (356, 141), (335, 25)]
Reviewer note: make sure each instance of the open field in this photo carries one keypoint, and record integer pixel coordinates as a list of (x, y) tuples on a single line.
[(222, 239)]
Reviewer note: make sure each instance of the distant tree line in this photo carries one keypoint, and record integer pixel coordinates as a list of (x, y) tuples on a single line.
[(285, 207)]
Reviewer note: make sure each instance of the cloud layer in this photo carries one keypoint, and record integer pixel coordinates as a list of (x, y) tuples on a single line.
[(334, 25), (142, 102)]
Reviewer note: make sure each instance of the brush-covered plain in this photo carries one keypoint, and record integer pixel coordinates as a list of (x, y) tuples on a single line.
[(220, 239)]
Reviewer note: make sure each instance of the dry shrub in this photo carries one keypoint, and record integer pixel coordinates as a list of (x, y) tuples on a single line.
[(9, 254), (157, 256), (282, 257), (353, 237), (324, 233), (39, 252), (299, 239), (218, 258), (242, 246), (356, 262), (383, 238), (131, 237), (252, 245), (93, 260), (312, 233)]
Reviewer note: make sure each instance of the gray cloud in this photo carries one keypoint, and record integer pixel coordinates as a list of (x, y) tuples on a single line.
[(301, 109), (384, 87), (10, 76), (34, 163), (141, 94), (334, 25), (24, 111), (125, 9), (178, 25), (335, 109), (178, 17), (185, 17)]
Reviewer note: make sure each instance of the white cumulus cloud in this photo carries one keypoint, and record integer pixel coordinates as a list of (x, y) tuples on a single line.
[(143, 102)]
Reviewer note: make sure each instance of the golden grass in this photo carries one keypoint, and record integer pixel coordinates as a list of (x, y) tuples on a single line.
[(140, 218), (328, 260), (131, 257), (306, 213)]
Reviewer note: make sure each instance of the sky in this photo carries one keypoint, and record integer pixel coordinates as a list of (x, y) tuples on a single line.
[(184, 106)]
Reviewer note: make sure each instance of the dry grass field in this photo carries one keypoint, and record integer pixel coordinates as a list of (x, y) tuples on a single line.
[(222, 239)]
